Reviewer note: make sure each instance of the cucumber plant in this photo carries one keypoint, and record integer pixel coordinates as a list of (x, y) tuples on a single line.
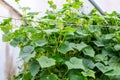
[(67, 44)]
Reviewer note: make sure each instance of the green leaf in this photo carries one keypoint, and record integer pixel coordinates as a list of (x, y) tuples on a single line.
[(94, 29), (46, 62), (109, 36), (88, 63), (103, 68), (27, 56), (49, 77), (50, 2), (80, 46), (117, 47), (6, 28), (58, 59), (75, 63), (82, 34), (65, 47), (114, 62), (27, 76), (52, 77), (34, 67), (15, 42), (89, 73), (75, 5), (114, 72), (41, 42), (69, 29), (102, 56), (17, 1), (25, 8), (32, 13), (69, 34), (98, 43), (52, 5), (28, 49), (49, 31), (27, 53), (89, 51), (30, 29), (76, 75), (7, 21), (7, 37)]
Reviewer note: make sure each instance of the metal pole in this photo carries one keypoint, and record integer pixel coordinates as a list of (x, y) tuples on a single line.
[(96, 6)]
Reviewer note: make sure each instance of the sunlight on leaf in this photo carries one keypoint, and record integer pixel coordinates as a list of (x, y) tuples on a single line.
[(89, 73), (89, 51), (65, 47), (46, 62), (75, 63)]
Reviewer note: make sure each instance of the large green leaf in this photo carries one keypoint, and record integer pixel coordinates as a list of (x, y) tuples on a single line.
[(80, 46), (6, 27), (88, 63), (34, 67), (41, 42), (114, 62), (115, 65), (49, 31), (27, 53), (103, 68), (89, 51), (109, 36), (75, 63), (45, 62), (28, 49), (30, 30), (69, 29), (82, 34), (65, 47), (95, 29), (101, 57), (98, 43), (27, 56), (114, 72), (14, 42)]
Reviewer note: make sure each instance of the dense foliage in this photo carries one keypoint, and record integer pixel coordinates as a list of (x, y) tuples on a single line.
[(67, 44)]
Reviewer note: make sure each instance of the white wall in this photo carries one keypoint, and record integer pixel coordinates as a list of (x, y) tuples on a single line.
[(109, 5), (13, 52), (4, 12)]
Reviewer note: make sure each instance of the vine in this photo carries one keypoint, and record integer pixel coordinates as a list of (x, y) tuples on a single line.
[(67, 44)]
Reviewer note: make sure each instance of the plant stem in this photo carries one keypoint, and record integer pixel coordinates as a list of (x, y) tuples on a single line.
[(65, 73)]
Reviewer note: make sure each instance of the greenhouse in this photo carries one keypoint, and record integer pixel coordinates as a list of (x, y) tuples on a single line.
[(59, 40)]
